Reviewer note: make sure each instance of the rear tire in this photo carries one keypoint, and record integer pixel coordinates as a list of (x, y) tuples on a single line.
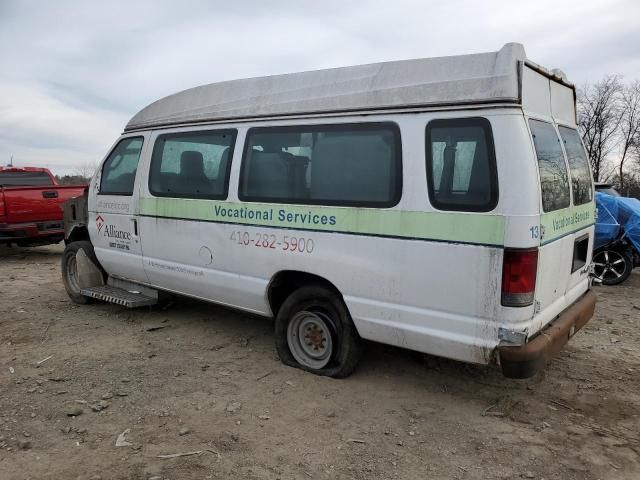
[(70, 271), (612, 266), (314, 332)]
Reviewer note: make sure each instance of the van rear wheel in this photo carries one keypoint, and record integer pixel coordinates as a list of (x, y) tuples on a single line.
[(314, 332)]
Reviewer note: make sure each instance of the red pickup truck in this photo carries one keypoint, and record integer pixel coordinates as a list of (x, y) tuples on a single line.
[(31, 206)]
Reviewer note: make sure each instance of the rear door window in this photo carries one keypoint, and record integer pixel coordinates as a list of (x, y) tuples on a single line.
[(461, 165), (578, 166), (554, 178), (119, 170)]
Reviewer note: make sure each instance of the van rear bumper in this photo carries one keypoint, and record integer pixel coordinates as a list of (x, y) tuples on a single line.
[(524, 361)]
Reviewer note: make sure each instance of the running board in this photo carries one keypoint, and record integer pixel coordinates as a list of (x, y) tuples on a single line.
[(119, 296)]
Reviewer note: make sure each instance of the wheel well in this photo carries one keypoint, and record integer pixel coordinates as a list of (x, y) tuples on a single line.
[(78, 233), (284, 283)]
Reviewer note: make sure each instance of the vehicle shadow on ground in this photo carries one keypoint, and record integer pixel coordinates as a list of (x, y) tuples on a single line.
[(212, 323), (404, 366), (23, 253)]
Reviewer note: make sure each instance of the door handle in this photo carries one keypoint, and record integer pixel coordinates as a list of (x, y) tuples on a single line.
[(50, 194)]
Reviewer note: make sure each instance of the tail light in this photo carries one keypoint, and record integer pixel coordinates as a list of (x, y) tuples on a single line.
[(519, 277)]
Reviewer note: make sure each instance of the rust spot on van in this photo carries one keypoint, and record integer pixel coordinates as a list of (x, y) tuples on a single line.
[(525, 360)]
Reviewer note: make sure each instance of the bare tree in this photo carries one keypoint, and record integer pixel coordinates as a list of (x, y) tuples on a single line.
[(629, 126), (599, 118), (635, 155), (85, 170)]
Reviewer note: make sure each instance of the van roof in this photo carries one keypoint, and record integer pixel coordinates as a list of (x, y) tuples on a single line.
[(493, 77)]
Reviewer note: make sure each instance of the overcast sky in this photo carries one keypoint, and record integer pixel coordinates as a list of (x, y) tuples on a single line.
[(74, 72)]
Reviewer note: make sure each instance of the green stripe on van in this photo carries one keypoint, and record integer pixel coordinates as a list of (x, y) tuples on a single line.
[(483, 229), (568, 220)]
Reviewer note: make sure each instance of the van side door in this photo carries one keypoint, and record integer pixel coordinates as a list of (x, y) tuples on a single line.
[(187, 181), (113, 210)]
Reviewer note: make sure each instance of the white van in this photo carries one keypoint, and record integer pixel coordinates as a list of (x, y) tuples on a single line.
[(443, 205)]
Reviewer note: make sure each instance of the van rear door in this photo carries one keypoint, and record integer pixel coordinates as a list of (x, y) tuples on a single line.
[(566, 220), (583, 214)]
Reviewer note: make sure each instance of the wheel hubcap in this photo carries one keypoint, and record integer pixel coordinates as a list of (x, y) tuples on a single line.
[(608, 265), (309, 338)]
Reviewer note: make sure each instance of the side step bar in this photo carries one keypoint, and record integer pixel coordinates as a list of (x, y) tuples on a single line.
[(119, 296)]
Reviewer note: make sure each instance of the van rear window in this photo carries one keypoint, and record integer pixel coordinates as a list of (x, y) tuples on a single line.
[(578, 166), (344, 164), (192, 164), (554, 179), (461, 165)]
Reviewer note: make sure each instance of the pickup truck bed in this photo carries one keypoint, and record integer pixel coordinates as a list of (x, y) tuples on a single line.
[(32, 215)]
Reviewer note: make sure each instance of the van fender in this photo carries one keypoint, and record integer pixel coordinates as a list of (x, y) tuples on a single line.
[(77, 233), (285, 282)]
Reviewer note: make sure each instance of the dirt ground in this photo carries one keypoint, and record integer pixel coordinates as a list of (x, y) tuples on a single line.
[(200, 378)]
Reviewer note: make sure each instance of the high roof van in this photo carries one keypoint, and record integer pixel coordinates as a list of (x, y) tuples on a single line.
[(443, 205)]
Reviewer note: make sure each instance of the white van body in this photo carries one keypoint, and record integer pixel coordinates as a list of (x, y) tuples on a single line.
[(410, 274)]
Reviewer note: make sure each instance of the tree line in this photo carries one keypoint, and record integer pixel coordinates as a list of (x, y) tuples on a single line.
[(609, 122), (81, 174)]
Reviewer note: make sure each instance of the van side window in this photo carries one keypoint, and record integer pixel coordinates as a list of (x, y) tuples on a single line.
[(554, 179), (119, 170), (192, 164), (461, 165), (578, 166), (345, 164)]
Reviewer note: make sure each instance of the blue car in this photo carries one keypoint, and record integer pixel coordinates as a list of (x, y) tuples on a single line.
[(617, 240)]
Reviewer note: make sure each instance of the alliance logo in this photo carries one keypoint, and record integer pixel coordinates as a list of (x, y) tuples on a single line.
[(99, 223), (112, 232)]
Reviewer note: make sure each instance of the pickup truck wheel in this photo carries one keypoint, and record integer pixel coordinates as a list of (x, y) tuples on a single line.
[(70, 270), (612, 267), (314, 332)]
